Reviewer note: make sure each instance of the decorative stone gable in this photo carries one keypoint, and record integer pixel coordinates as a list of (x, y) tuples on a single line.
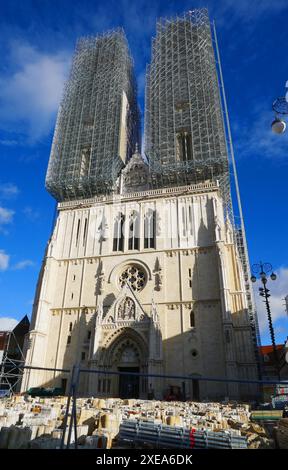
[(126, 308), (136, 174)]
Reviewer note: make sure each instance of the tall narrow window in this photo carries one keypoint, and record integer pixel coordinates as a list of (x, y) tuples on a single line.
[(183, 146), (184, 221), (78, 231), (227, 336), (85, 162), (192, 319), (133, 242), (149, 229), (70, 327), (190, 277), (85, 232), (190, 220), (118, 240)]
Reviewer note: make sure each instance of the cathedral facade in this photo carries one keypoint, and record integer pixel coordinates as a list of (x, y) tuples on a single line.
[(147, 281), (144, 277)]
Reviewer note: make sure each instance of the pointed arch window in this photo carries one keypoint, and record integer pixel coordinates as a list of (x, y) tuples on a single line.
[(78, 232), (118, 239), (190, 220), (192, 319), (149, 228), (85, 231), (184, 222), (85, 162), (133, 242), (184, 146), (227, 336)]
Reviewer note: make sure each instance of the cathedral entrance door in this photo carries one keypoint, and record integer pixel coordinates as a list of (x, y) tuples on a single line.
[(128, 384)]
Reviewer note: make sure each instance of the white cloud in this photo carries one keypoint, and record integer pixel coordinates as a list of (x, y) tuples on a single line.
[(28, 158), (230, 11), (4, 260), (9, 142), (256, 137), (6, 216), (7, 323), (8, 190), (30, 95), (246, 9), (278, 290), (23, 264), (31, 213)]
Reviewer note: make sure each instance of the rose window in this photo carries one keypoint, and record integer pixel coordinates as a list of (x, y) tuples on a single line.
[(133, 276)]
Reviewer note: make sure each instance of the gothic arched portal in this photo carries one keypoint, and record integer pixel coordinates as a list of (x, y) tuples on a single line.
[(127, 353)]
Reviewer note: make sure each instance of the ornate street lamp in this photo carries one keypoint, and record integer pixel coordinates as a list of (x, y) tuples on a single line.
[(263, 270), (280, 107)]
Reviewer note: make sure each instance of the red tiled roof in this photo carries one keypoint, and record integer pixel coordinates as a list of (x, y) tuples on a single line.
[(268, 349)]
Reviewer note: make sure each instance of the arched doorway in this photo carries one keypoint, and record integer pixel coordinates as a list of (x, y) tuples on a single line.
[(127, 354), (128, 363)]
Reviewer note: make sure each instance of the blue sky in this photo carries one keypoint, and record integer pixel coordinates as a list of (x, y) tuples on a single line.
[(36, 43)]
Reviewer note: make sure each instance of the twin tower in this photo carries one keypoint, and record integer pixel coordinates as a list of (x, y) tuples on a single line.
[(98, 124), (142, 273)]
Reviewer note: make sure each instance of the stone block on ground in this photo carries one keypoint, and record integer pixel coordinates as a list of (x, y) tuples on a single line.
[(96, 442), (15, 437), (88, 417), (45, 442)]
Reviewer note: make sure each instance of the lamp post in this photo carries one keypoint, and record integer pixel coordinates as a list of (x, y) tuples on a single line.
[(280, 108), (263, 270)]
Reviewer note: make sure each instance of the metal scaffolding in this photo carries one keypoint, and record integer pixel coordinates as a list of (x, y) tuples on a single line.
[(98, 120), (184, 131), (12, 357)]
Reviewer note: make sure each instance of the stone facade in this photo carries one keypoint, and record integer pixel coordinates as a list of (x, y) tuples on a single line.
[(158, 295)]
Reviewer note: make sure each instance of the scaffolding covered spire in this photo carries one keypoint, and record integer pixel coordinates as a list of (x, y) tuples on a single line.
[(184, 130), (98, 119)]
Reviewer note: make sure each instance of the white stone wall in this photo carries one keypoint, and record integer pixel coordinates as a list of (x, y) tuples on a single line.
[(194, 266)]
